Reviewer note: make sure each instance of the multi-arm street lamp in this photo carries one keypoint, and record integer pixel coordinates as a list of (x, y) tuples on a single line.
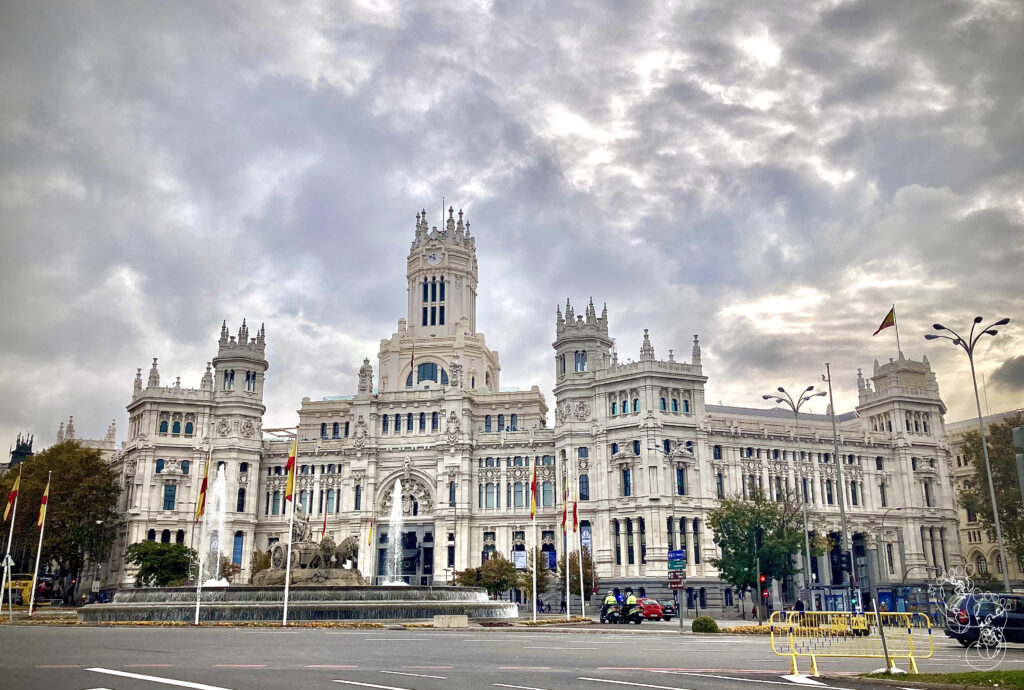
[(968, 345), (785, 398)]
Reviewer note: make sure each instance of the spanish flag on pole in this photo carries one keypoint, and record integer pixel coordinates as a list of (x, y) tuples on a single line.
[(533, 492), (11, 497), (575, 513), (42, 504), (888, 321), (565, 504), (289, 487), (369, 535), (201, 500)]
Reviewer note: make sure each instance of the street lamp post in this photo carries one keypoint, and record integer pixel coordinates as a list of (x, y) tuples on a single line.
[(844, 545), (968, 344), (795, 406)]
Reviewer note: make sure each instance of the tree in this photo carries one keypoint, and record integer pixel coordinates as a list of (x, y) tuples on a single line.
[(260, 560), (543, 575), (590, 577), (497, 574), (735, 523), (975, 497), (81, 515), (161, 565), (470, 577)]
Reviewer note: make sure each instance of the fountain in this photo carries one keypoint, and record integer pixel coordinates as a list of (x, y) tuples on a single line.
[(212, 539), (326, 584), (393, 562)]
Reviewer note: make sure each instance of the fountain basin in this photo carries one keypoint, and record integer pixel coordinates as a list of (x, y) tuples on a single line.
[(266, 604)]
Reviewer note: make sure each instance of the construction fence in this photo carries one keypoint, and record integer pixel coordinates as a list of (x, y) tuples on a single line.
[(853, 635)]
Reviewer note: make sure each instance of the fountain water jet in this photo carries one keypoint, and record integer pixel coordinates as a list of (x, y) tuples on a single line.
[(393, 562), (212, 545)]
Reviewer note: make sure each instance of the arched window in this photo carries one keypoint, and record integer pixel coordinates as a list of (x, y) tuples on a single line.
[(165, 537), (981, 564), (323, 430), (384, 424), (433, 421), (625, 407), (615, 409), (236, 550), (501, 422), (487, 379), (331, 468), (408, 422), (163, 427), (189, 429), (277, 470), (243, 467), (179, 537), (426, 288), (151, 535), (444, 374), (304, 501), (686, 406), (584, 487), (515, 422), (176, 427), (398, 423), (359, 497), (423, 421), (636, 404), (335, 430), (675, 405), (185, 465), (240, 505), (487, 423), (442, 288), (663, 405), (636, 447), (433, 289), (480, 496), (159, 465), (720, 485)]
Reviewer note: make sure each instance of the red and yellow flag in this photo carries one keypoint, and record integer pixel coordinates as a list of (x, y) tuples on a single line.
[(575, 513), (201, 500), (889, 320), (42, 504), (565, 504), (289, 487), (13, 496), (533, 492), (369, 535)]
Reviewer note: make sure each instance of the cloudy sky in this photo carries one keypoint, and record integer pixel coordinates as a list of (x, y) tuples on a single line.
[(770, 175)]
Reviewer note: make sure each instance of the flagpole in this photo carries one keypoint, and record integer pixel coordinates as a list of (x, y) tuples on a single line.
[(7, 558), (39, 549), (565, 543), (201, 506), (896, 323), (579, 536), (533, 519), (291, 525)]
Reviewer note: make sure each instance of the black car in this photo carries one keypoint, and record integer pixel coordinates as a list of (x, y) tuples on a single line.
[(668, 609), (985, 619)]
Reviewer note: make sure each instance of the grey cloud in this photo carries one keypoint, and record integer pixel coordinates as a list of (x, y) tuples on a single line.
[(1010, 374)]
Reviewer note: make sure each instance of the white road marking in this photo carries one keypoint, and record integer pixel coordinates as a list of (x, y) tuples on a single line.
[(157, 679), (519, 687), (561, 648), (368, 685), (418, 675), (804, 680), (793, 679), (638, 685)]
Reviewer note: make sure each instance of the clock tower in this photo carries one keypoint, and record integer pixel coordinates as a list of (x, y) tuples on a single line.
[(442, 274)]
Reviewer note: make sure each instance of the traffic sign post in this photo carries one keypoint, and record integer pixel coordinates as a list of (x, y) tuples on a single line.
[(677, 578)]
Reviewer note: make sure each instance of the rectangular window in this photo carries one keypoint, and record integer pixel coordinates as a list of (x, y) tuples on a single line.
[(501, 422), (889, 558), (627, 486), (636, 447), (487, 423), (424, 316), (276, 505), (881, 496), (828, 491), (583, 452), (514, 422), (630, 558), (359, 497), (451, 494), (384, 424), (717, 452), (440, 315), (720, 485), (451, 555), (236, 551), (433, 316), (169, 493), (681, 481), (666, 446), (618, 544)]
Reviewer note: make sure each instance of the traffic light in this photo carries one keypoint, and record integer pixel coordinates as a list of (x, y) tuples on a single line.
[(763, 580), (1018, 441), (844, 562)]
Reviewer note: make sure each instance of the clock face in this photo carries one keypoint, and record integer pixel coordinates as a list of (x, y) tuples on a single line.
[(434, 258)]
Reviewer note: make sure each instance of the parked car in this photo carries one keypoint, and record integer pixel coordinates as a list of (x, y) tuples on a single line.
[(650, 608), (668, 610), (986, 620)]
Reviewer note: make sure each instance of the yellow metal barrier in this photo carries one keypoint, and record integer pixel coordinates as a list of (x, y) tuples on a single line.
[(845, 634)]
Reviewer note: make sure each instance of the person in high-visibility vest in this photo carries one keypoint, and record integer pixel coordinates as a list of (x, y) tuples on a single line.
[(630, 602), (609, 600)]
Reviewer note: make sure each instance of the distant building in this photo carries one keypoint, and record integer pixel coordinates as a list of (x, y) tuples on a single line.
[(21, 451), (980, 551), (648, 456)]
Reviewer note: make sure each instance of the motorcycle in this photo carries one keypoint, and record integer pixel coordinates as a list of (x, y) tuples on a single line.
[(612, 614), (632, 614)]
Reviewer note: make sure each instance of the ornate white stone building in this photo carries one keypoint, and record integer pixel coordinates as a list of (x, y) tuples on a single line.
[(650, 455)]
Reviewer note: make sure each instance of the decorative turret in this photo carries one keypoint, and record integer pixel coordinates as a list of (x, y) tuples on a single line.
[(441, 271), (137, 386), (224, 333), (111, 432), (581, 341), (60, 433), (695, 356), (243, 333), (207, 383), (69, 430), (646, 349), (154, 376)]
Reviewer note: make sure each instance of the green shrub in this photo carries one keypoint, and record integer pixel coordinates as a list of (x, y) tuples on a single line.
[(704, 624)]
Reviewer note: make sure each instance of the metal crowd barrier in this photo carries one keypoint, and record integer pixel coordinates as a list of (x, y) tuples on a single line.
[(853, 635)]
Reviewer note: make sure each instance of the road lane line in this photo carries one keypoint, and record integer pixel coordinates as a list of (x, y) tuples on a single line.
[(418, 675), (367, 685), (240, 665), (626, 682), (562, 648), (744, 680), (157, 679), (524, 668), (60, 666), (519, 687), (150, 665), (332, 666), (804, 680)]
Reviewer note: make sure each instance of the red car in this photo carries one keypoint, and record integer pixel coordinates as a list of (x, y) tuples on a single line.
[(651, 608)]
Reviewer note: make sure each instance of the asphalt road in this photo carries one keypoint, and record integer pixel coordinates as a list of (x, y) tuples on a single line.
[(237, 658)]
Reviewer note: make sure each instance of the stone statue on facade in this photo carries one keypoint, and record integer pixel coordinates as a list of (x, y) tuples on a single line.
[(366, 377)]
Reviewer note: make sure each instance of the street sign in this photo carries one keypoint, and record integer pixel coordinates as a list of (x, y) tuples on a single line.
[(8, 561), (677, 565), (677, 584), (679, 555), (676, 575)]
